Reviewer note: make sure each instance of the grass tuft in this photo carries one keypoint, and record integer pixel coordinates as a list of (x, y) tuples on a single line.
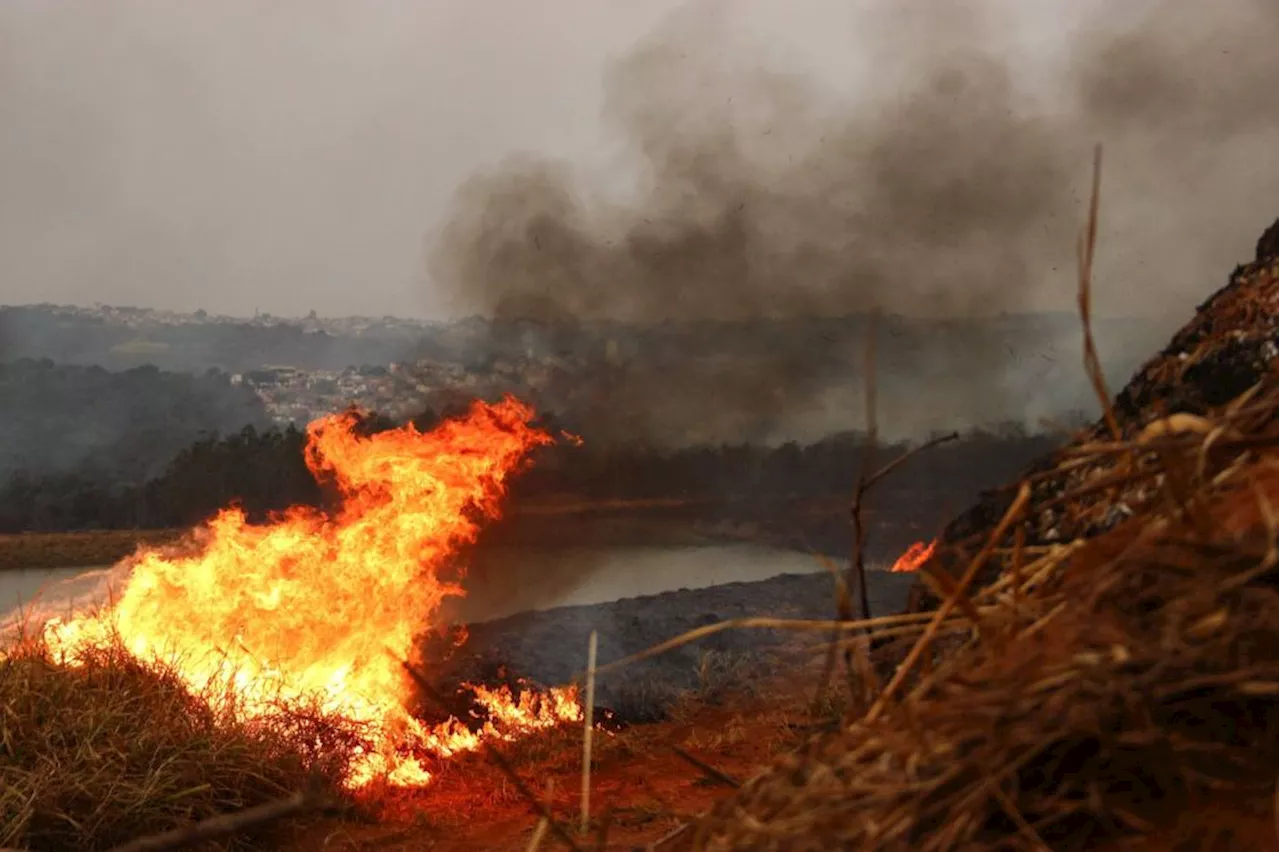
[(111, 749)]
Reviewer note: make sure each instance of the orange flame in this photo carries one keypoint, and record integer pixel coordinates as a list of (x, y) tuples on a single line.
[(321, 608), (915, 556)]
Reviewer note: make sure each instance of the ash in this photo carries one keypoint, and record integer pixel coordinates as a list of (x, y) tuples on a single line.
[(549, 647)]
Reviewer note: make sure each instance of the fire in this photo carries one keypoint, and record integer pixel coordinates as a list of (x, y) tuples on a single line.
[(915, 556), (322, 607)]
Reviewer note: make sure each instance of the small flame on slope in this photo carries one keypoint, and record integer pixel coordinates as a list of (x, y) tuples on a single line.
[(321, 608), (914, 556)]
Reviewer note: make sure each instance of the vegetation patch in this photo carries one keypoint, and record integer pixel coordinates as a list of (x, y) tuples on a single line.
[(110, 749)]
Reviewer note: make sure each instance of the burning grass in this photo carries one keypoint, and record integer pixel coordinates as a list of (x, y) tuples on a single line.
[(96, 755), (645, 778), (321, 608), (256, 658)]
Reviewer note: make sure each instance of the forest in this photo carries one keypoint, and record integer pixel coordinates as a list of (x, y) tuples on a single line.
[(65, 420)]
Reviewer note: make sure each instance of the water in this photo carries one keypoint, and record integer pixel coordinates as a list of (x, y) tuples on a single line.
[(515, 579), (503, 581), (43, 592)]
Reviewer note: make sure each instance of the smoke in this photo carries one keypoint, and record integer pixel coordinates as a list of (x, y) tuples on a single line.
[(755, 204), (951, 186)]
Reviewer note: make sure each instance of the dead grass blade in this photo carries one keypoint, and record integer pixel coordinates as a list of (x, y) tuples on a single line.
[(1088, 242), (706, 768), (539, 832), (587, 713), (759, 623), (225, 825), (1011, 516)]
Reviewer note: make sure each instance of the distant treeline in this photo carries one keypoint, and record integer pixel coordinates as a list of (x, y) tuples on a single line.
[(828, 467), (59, 418), (263, 471)]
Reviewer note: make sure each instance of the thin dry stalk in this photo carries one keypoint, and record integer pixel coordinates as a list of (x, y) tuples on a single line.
[(539, 832), (706, 768), (942, 584), (224, 825), (669, 840), (1011, 516), (905, 457), (856, 585), (952, 624), (844, 608), (1088, 243), (856, 565), (799, 625), (1019, 553), (587, 712)]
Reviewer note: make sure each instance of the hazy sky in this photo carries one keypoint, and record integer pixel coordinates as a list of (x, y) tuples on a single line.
[(289, 155)]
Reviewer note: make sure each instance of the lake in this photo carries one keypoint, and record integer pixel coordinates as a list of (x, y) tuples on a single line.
[(501, 582)]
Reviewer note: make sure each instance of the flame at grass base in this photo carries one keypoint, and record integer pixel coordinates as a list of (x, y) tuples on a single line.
[(321, 608)]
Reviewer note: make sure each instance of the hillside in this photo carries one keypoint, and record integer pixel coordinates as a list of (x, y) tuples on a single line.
[(62, 419)]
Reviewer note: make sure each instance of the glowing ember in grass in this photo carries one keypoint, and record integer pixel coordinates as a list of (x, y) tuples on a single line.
[(322, 608), (915, 556)]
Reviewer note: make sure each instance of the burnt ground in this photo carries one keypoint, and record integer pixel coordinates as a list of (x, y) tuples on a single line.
[(549, 647), (734, 701)]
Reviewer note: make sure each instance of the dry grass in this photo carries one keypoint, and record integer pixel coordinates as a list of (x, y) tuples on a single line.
[(1107, 688), (1115, 688), (77, 549), (98, 754)]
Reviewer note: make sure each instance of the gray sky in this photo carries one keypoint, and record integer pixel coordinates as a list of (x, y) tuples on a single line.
[(289, 155)]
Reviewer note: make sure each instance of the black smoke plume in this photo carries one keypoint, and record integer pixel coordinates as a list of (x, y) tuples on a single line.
[(950, 188)]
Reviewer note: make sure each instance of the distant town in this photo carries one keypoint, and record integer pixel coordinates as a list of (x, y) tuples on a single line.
[(144, 318), (399, 390), (675, 382), (303, 368)]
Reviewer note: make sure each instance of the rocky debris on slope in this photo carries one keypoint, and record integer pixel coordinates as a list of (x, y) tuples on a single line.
[(1228, 348)]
